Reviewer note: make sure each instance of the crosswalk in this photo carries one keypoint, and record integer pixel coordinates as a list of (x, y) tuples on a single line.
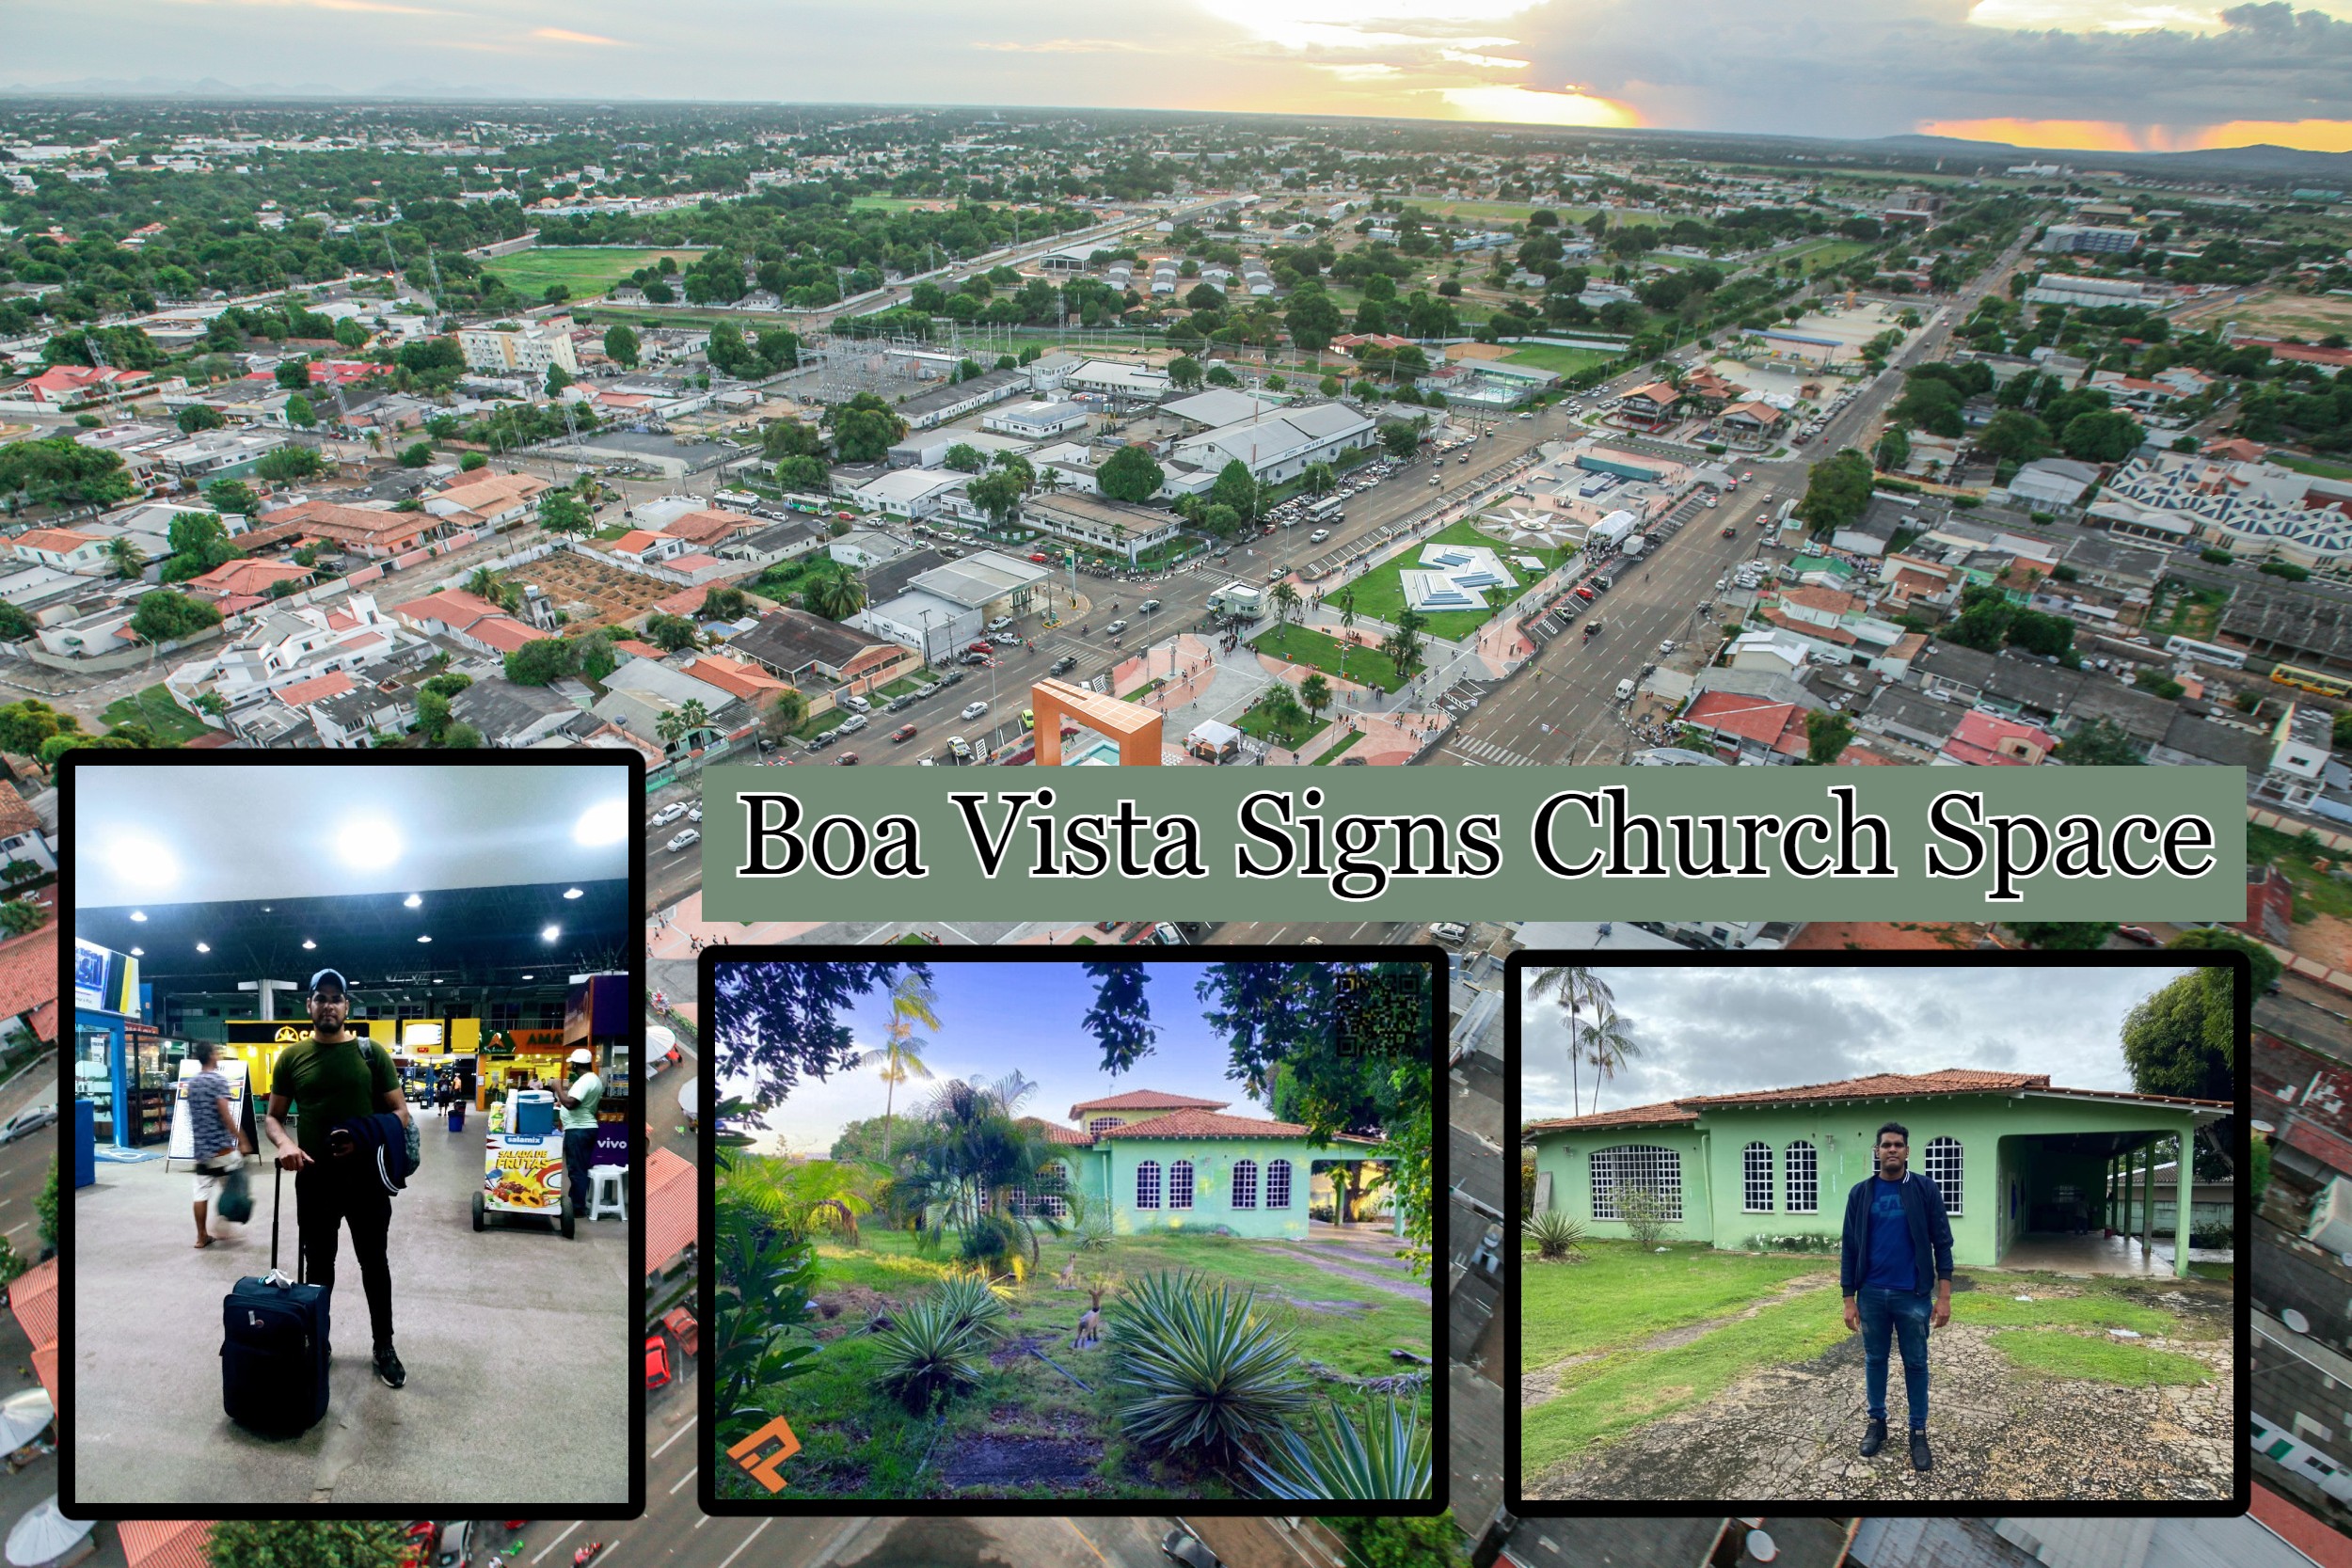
[(1486, 751)]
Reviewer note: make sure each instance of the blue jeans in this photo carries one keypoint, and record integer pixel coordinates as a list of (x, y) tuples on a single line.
[(1905, 1314)]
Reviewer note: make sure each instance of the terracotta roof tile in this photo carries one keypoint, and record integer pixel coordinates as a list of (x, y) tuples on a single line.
[(1054, 1135), (165, 1542), (1875, 1086), (28, 971), (669, 1207), (1208, 1124), (1148, 1100), (333, 684), (1666, 1114)]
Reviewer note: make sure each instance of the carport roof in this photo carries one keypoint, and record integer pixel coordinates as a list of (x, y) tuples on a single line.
[(1875, 1086)]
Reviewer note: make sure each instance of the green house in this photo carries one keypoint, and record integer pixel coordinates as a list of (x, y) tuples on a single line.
[(2032, 1175), (1170, 1162)]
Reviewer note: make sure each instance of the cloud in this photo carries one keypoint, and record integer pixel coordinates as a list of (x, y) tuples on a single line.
[(376, 6), (565, 35), (1064, 46)]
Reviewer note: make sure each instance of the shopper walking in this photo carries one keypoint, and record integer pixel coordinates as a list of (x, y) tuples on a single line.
[(331, 1078), (578, 1107), (212, 1118)]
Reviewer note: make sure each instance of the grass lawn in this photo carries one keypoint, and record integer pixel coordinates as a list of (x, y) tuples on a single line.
[(859, 1442), (1822, 255), (1258, 723), (2095, 1310), (582, 271), (611, 531), (2193, 613), (2318, 467), (887, 203), (2315, 891), (1621, 1294), (1332, 752), (171, 723), (1567, 361), (1306, 645), (1603, 1399), (905, 686), (2101, 1359), (2222, 1272), (1380, 593)]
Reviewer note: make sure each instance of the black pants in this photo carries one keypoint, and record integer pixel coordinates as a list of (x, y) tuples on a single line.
[(579, 1149), (328, 1196)]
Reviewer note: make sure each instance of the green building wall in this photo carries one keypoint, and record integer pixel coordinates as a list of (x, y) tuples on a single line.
[(1108, 1171), (2006, 1165)]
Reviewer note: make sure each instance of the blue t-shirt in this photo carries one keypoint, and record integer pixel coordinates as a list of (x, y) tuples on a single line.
[(1892, 1266)]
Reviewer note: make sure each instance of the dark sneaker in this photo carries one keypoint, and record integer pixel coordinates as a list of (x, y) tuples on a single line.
[(1920, 1458), (388, 1367), (1874, 1439)]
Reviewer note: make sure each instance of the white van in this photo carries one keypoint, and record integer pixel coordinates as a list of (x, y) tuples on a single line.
[(1625, 692)]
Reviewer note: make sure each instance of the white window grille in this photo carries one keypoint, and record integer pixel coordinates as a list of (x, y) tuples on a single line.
[(1277, 1184), (1245, 1183), (1095, 1126), (1048, 1193), (1756, 1189), (1642, 1165), (1148, 1184), (1943, 1167), (1802, 1173), (1180, 1184)]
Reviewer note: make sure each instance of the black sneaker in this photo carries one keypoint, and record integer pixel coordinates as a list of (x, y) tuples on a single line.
[(1873, 1439), (1920, 1458), (387, 1367)]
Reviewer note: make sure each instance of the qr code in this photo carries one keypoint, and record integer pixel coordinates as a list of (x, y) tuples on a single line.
[(1383, 1015)]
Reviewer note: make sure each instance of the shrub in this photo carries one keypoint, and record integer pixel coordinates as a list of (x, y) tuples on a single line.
[(1199, 1365), (972, 1302), (46, 1207), (987, 1242), (1644, 1213), (1387, 1459), (927, 1355), (1555, 1235)]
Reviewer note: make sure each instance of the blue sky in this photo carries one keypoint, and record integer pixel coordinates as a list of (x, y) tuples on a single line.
[(996, 1019)]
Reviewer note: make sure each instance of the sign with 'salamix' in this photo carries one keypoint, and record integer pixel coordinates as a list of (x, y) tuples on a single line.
[(1511, 843)]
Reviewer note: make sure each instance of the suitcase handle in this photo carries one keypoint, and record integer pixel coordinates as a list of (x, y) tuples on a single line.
[(278, 1193)]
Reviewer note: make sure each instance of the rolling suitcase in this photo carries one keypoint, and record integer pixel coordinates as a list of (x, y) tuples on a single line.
[(274, 1345)]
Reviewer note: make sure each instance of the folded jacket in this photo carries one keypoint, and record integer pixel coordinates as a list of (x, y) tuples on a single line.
[(383, 1141)]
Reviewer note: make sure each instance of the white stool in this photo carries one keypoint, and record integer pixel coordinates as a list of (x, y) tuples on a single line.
[(604, 1180)]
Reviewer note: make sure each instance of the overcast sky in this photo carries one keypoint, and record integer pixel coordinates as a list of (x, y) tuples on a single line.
[(2090, 73), (998, 1019), (1717, 1031)]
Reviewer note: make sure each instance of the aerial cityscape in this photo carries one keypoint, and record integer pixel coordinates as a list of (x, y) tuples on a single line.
[(1222, 385)]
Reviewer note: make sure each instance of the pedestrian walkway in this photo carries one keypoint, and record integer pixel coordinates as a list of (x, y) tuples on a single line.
[(516, 1344), (682, 932)]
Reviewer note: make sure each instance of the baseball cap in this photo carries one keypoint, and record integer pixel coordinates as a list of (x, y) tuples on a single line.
[(324, 975), (584, 1054)]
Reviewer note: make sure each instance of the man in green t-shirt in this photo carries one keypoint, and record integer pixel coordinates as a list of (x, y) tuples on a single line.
[(333, 1077), (576, 1105)]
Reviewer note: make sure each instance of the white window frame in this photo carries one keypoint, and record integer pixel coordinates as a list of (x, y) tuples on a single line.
[(1180, 1184), (1651, 1166), (1801, 1179), (1096, 1127), (1245, 1183), (1048, 1196), (1756, 1185), (1273, 1168), (1944, 1162), (1148, 1190)]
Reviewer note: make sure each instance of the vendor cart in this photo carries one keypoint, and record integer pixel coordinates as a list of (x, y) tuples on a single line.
[(523, 1175)]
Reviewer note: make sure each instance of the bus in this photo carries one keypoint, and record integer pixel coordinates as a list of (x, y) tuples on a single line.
[(798, 502), (2205, 653), (2312, 680), (2270, 1440), (1326, 510)]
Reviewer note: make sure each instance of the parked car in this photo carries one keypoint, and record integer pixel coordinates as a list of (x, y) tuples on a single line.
[(694, 814), (850, 726), (454, 1544), (903, 733), (950, 677), (1186, 1548), (856, 704), (958, 748), (2139, 934), (1002, 623), (1449, 930), (691, 836), (30, 1119), (973, 710), (669, 814), (1666, 647), (656, 1362)]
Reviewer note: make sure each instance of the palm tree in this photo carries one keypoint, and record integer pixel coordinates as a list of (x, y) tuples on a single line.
[(1606, 1045), (692, 717), (670, 726), (127, 558), (1316, 692), (1575, 989), (1402, 646), (833, 593), (1286, 600), (970, 1159), (486, 583), (911, 1003), (1346, 601)]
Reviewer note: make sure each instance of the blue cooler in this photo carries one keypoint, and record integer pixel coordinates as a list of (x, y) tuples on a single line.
[(534, 1114)]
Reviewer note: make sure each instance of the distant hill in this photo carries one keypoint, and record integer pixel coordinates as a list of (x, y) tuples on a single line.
[(2259, 158)]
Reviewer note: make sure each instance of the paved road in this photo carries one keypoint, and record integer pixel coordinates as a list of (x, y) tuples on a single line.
[(1331, 934)]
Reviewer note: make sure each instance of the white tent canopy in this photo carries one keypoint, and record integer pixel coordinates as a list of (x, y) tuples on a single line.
[(44, 1534)]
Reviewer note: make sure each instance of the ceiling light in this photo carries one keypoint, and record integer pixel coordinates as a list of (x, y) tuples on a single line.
[(368, 842), (138, 952), (571, 893), (414, 901), (307, 945), (606, 822), (203, 946), (552, 933), (424, 938), (143, 863), (530, 976), (138, 914)]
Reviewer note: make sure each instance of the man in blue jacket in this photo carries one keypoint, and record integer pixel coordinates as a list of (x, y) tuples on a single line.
[(1898, 1248)]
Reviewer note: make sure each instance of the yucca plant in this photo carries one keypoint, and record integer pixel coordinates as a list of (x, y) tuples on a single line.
[(1198, 1365), (1555, 1234), (929, 1355), (1386, 1458), (972, 1302)]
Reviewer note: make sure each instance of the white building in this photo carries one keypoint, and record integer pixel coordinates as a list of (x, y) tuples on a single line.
[(2256, 510), (1279, 445), (530, 349), (286, 646), (910, 492), (1036, 422)]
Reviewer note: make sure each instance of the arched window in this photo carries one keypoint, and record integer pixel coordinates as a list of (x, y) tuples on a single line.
[(1245, 1183), (1095, 1126), (1942, 1166), (1756, 1186), (1180, 1184), (1655, 1170), (1148, 1184), (1277, 1183), (1801, 1176)]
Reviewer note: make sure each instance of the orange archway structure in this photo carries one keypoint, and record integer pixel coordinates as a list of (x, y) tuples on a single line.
[(1135, 728)]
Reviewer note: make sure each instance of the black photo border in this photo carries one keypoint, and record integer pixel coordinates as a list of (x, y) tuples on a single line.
[(633, 766), (2241, 1494), (1432, 958)]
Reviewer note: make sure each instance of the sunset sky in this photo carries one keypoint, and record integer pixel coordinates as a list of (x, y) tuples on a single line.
[(2091, 74)]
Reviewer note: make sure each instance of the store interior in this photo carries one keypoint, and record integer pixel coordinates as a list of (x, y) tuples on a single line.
[(481, 915)]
